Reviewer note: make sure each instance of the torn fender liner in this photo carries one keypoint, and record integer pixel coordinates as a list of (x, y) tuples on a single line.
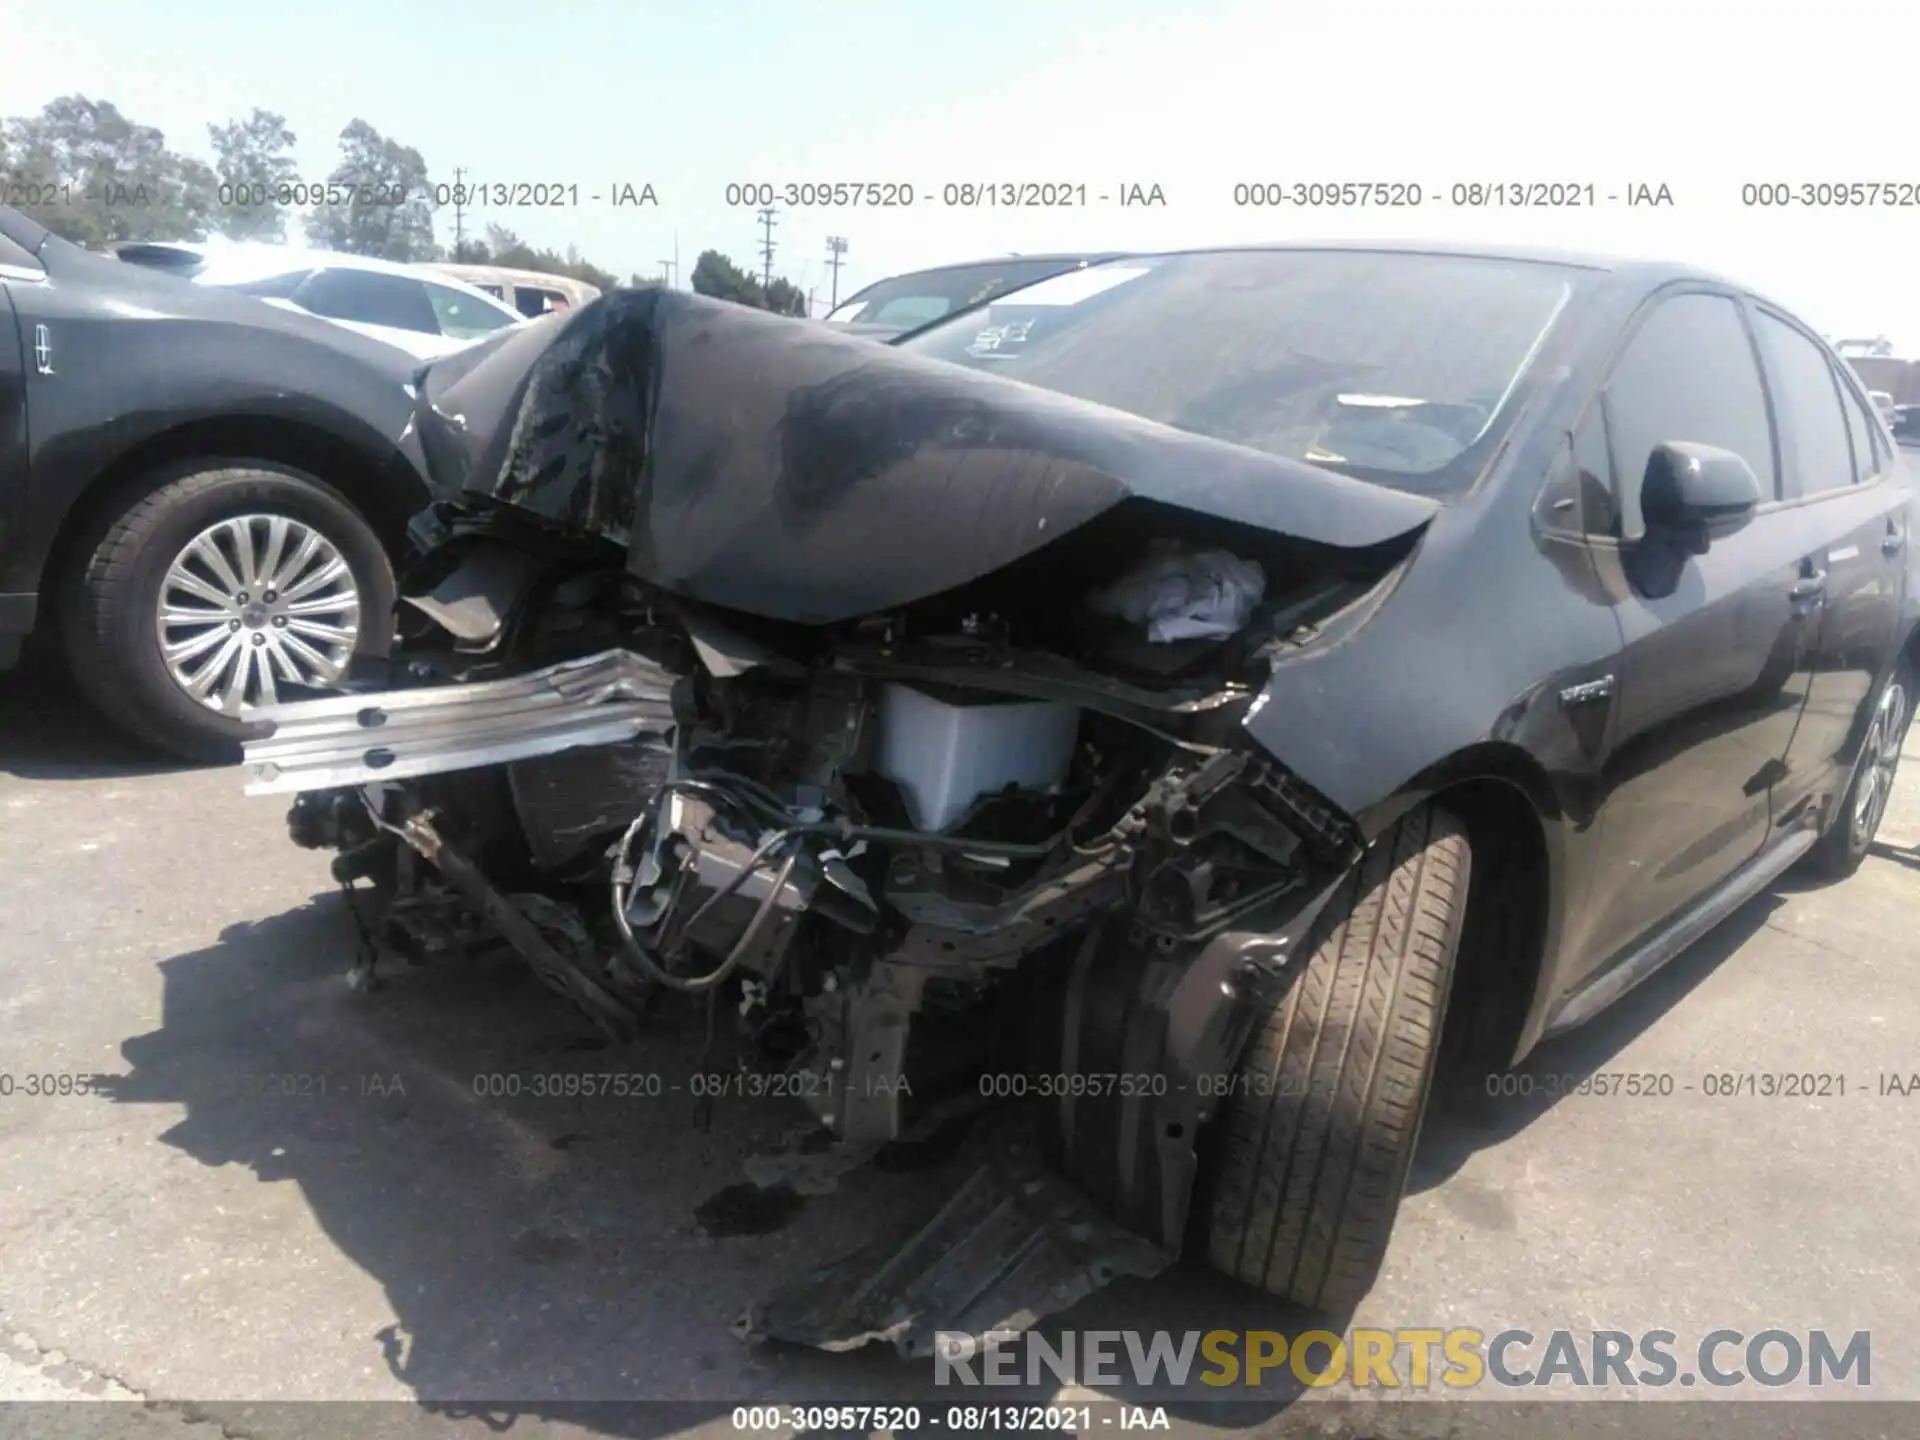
[(780, 468), (1015, 1244), (355, 739), (472, 604)]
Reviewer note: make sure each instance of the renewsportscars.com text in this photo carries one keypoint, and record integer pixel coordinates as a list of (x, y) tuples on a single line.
[(1409, 1359)]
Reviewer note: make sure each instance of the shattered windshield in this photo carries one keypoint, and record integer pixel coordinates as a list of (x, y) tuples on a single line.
[(1386, 364)]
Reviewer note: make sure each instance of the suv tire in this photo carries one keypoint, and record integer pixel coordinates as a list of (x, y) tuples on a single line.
[(187, 532)]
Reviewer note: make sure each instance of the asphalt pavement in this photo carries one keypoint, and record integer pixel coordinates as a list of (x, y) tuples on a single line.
[(280, 1190)]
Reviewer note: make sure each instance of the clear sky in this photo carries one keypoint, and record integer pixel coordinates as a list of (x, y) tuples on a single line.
[(1701, 97)]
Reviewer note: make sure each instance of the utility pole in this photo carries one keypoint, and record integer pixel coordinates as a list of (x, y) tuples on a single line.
[(459, 214), (836, 247), (767, 220), (669, 269)]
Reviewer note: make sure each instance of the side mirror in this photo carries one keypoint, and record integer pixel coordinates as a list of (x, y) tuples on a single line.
[(1696, 488)]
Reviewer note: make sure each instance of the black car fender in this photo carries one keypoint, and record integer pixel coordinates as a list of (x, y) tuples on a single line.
[(146, 368)]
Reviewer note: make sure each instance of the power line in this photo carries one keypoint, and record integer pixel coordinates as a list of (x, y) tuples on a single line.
[(836, 248), (768, 218), (459, 213)]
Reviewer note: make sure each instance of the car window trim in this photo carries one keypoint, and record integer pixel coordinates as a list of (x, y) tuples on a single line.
[(1598, 396), (1849, 408), (1594, 409), (1877, 436), (1774, 312)]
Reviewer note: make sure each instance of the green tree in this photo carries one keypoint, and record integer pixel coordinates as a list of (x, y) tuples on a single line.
[(90, 174), (251, 161), (386, 210), (783, 297), (503, 247), (714, 274)]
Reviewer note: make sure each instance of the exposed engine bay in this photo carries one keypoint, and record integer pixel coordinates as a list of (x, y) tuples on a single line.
[(1006, 840)]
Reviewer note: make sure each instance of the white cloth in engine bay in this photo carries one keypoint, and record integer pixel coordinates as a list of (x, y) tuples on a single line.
[(1184, 595)]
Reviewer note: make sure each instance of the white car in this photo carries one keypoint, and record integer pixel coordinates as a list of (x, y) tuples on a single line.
[(427, 315), (422, 311)]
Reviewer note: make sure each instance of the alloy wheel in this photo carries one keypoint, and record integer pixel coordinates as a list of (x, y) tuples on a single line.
[(251, 603), (1879, 763)]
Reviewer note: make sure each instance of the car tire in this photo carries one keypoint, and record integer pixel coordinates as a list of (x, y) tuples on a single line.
[(1856, 820), (1310, 1157), (111, 611)]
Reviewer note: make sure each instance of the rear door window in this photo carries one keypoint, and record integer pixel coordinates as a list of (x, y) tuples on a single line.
[(1869, 450), (370, 298), (1818, 452), (462, 317)]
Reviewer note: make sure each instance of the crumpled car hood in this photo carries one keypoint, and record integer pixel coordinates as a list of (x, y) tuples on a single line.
[(779, 468)]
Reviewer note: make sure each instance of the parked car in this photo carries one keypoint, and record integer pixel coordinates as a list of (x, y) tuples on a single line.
[(531, 293), (424, 313), (197, 492), (904, 302), (1180, 700)]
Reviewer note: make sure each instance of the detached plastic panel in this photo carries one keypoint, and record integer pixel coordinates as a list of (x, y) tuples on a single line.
[(945, 756)]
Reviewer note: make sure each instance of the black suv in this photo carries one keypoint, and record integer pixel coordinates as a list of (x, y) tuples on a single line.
[(198, 491)]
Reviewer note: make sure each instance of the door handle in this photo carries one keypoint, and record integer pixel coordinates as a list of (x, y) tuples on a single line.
[(1812, 586)]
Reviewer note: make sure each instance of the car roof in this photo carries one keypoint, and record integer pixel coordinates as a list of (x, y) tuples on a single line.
[(530, 278), (264, 259)]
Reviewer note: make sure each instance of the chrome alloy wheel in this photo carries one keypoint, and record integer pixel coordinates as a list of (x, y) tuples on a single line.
[(254, 601), (1878, 762)]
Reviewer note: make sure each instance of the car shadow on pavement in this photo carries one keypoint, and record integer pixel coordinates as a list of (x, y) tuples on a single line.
[(1907, 855), (539, 1257), (1473, 1111), (48, 732)]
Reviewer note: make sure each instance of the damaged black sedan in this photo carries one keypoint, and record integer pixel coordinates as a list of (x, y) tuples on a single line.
[(1180, 699)]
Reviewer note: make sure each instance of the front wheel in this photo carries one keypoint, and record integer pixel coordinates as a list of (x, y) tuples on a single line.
[(1850, 833), (224, 586), (1311, 1155)]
